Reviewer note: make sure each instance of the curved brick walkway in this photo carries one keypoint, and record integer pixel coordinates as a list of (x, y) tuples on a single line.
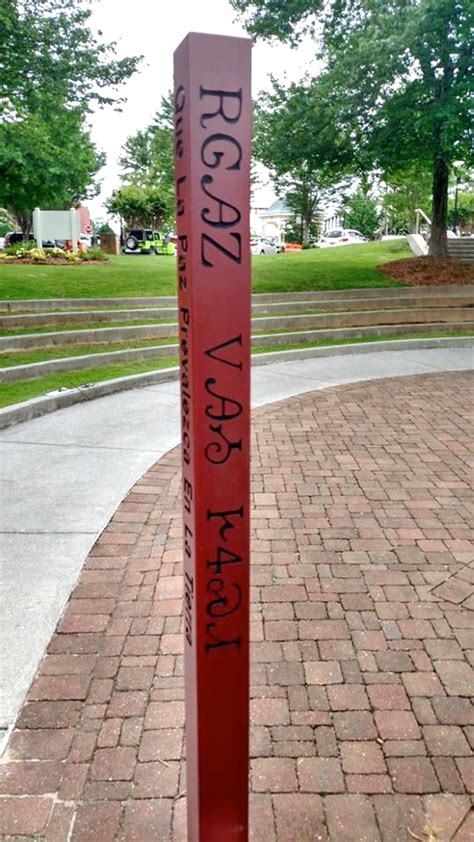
[(362, 684)]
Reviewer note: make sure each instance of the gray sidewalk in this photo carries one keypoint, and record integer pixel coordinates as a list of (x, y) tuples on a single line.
[(63, 476)]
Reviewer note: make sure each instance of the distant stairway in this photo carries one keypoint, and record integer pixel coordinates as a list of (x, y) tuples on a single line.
[(462, 248)]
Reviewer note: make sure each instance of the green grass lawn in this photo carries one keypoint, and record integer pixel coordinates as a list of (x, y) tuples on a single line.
[(24, 390), (28, 331), (125, 275), (10, 358)]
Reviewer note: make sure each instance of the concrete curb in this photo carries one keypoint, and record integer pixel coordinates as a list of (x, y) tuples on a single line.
[(80, 363), (28, 410)]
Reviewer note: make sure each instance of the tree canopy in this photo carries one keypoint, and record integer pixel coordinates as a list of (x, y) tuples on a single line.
[(147, 160), (48, 164), (49, 56), (53, 69), (400, 75), (138, 207), (304, 165), (361, 212)]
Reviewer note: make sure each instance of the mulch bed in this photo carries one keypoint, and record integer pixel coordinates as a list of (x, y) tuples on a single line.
[(429, 271)]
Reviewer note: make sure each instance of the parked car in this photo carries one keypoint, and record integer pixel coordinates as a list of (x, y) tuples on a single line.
[(2, 243), (15, 237), (259, 245), (341, 237), (147, 241)]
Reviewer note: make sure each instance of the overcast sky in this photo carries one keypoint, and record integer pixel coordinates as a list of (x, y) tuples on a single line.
[(154, 28)]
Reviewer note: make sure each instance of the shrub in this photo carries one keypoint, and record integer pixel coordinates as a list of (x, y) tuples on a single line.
[(93, 254), (30, 251), (36, 254), (21, 249), (55, 252)]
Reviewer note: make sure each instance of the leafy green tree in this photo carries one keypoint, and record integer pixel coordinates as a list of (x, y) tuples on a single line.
[(400, 73), (53, 70), (138, 207), (136, 158), (49, 56), (461, 212), (101, 226), (294, 230), (407, 190), (361, 212), (147, 157), (45, 163), (297, 137), (6, 222)]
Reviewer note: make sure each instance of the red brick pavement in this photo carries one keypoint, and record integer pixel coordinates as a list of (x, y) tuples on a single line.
[(362, 679)]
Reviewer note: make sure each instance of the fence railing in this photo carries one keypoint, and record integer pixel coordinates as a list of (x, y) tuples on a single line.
[(418, 214)]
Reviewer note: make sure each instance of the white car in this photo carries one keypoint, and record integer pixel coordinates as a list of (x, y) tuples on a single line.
[(341, 237), (258, 245), (2, 243)]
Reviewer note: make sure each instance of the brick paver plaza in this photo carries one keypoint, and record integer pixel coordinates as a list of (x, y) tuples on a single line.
[(362, 629)]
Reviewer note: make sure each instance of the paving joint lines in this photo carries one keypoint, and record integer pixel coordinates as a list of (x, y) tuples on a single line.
[(361, 715)]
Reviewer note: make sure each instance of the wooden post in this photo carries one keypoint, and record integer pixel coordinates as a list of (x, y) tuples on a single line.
[(212, 151)]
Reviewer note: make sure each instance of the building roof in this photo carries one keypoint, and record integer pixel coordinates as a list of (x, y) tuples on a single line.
[(279, 206)]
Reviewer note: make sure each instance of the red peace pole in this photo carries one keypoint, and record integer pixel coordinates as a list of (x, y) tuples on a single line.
[(212, 103)]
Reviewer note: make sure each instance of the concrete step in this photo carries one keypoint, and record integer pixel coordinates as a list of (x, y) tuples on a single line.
[(83, 317), (360, 318), (444, 315), (61, 304), (462, 249), (25, 341), (102, 358), (308, 307)]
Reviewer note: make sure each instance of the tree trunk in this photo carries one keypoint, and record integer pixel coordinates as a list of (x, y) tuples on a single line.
[(24, 222), (439, 217), (305, 230)]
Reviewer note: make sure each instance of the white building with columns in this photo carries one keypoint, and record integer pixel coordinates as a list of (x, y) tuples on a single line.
[(270, 222)]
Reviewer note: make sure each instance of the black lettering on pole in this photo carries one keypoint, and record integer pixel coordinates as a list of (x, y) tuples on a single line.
[(220, 153), (226, 517), (223, 557), (221, 222), (218, 643), (223, 413), (235, 255), (212, 352), (216, 587), (218, 452), (222, 96)]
